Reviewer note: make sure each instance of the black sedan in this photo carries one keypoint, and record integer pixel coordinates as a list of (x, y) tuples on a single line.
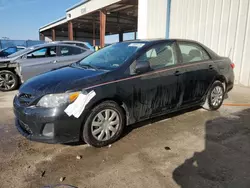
[(122, 84)]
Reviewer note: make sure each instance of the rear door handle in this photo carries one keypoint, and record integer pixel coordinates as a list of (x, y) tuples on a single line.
[(177, 73), (55, 61)]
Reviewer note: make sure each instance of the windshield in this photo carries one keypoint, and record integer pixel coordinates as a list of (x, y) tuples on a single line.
[(111, 57), (20, 52)]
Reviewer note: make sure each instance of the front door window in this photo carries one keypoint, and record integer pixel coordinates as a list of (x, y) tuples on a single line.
[(43, 52), (160, 56)]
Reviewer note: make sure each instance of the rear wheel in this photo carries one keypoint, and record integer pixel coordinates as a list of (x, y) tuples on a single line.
[(215, 96), (8, 80), (104, 124)]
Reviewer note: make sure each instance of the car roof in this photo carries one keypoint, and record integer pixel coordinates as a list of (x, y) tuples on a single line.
[(71, 43), (159, 40), (150, 42), (68, 41), (51, 44)]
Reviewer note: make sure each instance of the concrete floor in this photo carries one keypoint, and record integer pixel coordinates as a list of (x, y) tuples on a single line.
[(187, 149)]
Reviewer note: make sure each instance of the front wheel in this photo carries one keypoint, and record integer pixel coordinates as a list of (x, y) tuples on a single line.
[(104, 125), (215, 96), (8, 80)]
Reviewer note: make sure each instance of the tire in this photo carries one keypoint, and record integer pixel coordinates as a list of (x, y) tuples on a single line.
[(209, 105), (93, 118), (11, 83)]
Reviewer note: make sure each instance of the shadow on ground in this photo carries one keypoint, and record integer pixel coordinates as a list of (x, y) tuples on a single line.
[(225, 162)]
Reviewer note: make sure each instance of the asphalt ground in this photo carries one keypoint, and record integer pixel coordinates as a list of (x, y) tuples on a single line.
[(192, 148)]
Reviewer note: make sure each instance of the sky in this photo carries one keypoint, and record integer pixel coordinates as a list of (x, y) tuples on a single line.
[(21, 19)]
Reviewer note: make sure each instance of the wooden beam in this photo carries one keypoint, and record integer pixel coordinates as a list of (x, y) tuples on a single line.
[(102, 28), (53, 34), (94, 43), (130, 19), (41, 36), (70, 30), (122, 8), (90, 24)]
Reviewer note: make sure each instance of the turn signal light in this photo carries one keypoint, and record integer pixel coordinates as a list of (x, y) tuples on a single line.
[(73, 96), (232, 65)]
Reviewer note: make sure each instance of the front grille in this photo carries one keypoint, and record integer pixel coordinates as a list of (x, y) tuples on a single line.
[(25, 127), (25, 99)]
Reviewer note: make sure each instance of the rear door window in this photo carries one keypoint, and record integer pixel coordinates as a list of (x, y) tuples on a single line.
[(81, 45), (192, 52), (70, 50)]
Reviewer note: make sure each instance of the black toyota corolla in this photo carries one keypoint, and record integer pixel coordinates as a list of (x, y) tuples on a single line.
[(95, 98)]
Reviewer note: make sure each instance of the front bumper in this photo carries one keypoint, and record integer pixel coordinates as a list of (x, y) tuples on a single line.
[(33, 122)]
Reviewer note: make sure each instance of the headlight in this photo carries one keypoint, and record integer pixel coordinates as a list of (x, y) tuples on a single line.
[(55, 100)]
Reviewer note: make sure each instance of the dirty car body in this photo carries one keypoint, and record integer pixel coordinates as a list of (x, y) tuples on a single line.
[(178, 76), (36, 60)]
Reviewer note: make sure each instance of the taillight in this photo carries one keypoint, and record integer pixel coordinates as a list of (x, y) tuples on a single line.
[(232, 65)]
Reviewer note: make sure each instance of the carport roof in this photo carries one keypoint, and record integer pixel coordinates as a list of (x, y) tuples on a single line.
[(121, 17), (54, 24)]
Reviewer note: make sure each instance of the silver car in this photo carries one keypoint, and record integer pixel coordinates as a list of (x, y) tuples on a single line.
[(19, 67)]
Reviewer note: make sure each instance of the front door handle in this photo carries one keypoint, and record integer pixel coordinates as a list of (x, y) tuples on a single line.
[(211, 67), (177, 73), (55, 61)]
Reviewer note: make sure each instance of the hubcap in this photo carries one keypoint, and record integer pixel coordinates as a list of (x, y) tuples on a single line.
[(105, 125), (7, 81), (216, 96)]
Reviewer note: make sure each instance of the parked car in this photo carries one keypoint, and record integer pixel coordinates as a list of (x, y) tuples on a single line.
[(122, 84), (77, 43), (10, 50), (21, 66)]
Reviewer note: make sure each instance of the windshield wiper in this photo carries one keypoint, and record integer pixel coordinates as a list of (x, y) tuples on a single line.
[(85, 66), (89, 66)]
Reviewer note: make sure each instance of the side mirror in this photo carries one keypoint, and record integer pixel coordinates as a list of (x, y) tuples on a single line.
[(142, 67)]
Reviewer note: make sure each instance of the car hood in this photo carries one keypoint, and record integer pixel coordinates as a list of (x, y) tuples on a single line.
[(62, 80)]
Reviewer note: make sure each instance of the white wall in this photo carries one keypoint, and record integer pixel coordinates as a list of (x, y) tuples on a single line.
[(152, 19), (222, 25)]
